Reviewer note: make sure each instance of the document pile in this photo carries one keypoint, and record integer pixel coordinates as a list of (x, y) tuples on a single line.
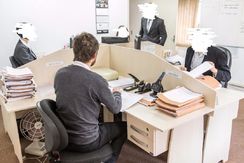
[(129, 99), (122, 82), (17, 84), (199, 70), (179, 101)]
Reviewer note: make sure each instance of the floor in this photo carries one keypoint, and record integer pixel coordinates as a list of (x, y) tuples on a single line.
[(131, 154)]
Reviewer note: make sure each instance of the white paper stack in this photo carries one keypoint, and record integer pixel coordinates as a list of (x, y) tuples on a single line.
[(122, 82), (129, 99), (17, 84)]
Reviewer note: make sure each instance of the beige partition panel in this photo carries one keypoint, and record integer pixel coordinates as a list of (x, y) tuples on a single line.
[(148, 67), (103, 56), (148, 47), (45, 68)]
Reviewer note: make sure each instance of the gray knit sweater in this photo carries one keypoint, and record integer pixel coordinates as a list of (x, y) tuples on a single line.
[(79, 95)]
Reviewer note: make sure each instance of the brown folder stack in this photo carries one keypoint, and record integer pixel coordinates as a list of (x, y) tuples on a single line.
[(179, 101), (17, 84), (210, 81)]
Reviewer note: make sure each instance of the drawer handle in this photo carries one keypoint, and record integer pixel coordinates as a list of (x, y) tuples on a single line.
[(138, 130), (138, 141)]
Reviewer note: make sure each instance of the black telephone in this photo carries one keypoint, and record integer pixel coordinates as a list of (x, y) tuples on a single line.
[(135, 85), (157, 86)]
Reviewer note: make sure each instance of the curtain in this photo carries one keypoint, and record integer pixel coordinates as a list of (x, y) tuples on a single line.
[(187, 18)]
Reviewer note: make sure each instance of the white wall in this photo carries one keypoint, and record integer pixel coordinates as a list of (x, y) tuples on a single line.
[(168, 11), (55, 22), (237, 66)]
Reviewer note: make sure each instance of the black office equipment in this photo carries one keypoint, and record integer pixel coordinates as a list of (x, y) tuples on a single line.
[(137, 42), (143, 87), (56, 139), (157, 86), (71, 40), (114, 40), (229, 61), (135, 85)]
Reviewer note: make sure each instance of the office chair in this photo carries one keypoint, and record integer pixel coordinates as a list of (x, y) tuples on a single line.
[(229, 60), (13, 62), (56, 139)]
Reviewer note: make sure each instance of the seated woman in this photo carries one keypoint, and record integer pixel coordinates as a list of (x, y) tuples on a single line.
[(202, 50), (23, 53)]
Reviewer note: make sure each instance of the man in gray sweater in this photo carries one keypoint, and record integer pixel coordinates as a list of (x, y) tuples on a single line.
[(80, 94)]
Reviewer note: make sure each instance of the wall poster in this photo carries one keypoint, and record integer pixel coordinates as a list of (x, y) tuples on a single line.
[(102, 16)]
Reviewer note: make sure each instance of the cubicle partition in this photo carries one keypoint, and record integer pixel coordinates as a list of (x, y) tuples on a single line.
[(45, 68), (148, 67)]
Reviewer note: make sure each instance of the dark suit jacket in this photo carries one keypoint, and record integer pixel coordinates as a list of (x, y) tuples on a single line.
[(215, 55), (23, 54), (157, 32)]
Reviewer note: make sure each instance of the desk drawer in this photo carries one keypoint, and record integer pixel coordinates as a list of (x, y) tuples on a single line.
[(147, 137)]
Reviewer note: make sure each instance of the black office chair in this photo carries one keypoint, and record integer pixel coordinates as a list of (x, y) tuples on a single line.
[(13, 62), (229, 60), (56, 139)]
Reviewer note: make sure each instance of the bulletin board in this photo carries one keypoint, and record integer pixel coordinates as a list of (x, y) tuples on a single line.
[(102, 16)]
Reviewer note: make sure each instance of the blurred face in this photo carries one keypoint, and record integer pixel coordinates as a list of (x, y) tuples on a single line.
[(199, 46), (200, 39), (148, 10), (27, 30)]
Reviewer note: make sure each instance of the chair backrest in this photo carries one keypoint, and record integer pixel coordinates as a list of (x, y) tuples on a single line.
[(228, 55), (56, 137), (229, 60), (13, 62)]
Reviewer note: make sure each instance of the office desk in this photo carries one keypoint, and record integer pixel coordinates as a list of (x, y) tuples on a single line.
[(186, 141), (13, 110), (219, 126), (185, 133)]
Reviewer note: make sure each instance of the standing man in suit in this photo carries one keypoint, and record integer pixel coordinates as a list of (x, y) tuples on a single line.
[(23, 53), (152, 27), (201, 50)]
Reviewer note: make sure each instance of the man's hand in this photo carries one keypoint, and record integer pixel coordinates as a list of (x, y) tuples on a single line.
[(117, 90), (182, 68)]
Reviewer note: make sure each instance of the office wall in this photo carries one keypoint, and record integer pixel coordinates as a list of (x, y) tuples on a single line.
[(55, 22), (237, 66), (167, 10)]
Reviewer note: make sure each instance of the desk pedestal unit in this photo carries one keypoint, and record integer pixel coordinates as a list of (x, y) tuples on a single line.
[(150, 129)]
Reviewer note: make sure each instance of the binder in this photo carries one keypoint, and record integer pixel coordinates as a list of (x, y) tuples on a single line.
[(210, 81), (178, 113), (179, 101), (161, 104)]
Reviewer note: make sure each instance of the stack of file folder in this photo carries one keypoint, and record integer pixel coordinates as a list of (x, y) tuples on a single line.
[(179, 101), (17, 84)]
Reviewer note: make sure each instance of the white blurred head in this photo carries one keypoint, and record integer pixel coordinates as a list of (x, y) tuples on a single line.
[(148, 10), (122, 31), (200, 39), (25, 30)]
